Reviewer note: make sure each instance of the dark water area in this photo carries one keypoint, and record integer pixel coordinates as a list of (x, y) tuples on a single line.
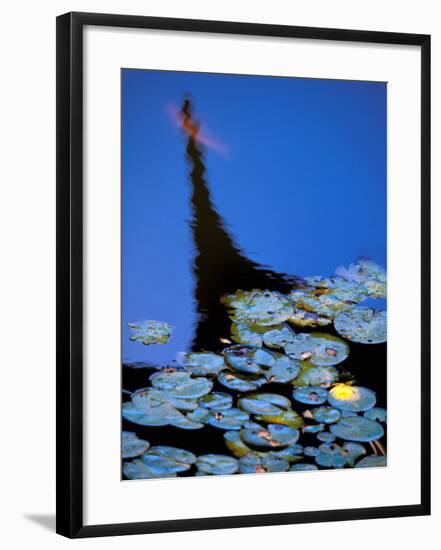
[(220, 267)]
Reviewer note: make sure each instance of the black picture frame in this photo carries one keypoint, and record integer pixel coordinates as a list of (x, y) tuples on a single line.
[(69, 295)]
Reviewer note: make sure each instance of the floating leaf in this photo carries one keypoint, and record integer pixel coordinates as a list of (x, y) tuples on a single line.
[(357, 428), (258, 307), (311, 375), (291, 453), (351, 398), (132, 446), (243, 334), (371, 276), (372, 461), (264, 403), (274, 436), (150, 332), (311, 451), (284, 370), (326, 437), (240, 381), (201, 363), (303, 318), (376, 413), (310, 395), (362, 325), (215, 464), (279, 337), (173, 453), (248, 359), (180, 384), (235, 444), (331, 455), (313, 428), (150, 414), (326, 415), (229, 419), (216, 401), (303, 467), (318, 348), (254, 464), (138, 469), (287, 418)]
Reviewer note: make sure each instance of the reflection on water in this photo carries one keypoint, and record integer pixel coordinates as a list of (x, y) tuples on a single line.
[(221, 267)]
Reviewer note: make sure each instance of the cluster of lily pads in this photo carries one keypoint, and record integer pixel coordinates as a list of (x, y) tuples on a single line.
[(262, 429)]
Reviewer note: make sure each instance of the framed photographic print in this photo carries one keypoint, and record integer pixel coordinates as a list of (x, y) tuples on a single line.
[(243, 274)]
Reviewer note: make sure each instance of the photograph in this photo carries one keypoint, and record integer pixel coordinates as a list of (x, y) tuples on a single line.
[(253, 274)]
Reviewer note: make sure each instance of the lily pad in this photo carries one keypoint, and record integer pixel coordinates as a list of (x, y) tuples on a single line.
[(180, 384), (216, 401), (201, 363), (372, 461), (357, 428), (132, 446), (215, 464), (279, 337), (138, 469), (291, 453), (369, 275), (362, 325), (264, 403), (286, 418), (376, 413), (243, 334), (152, 413), (303, 318), (303, 467), (235, 444), (173, 453), (248, 359), (326, 415), (311, 375), (258, 307), (150, 332), (326, 437), (313, 428), (309, 450), (351, 398), (229, 419), (310, 395), (320, 349), (284, 370), (254, 464), (240, 381), (274, 436)]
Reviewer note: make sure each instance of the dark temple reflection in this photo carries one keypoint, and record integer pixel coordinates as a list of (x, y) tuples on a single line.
[(219, 266)]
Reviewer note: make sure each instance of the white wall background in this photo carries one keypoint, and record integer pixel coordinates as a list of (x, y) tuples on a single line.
[(27, 273)]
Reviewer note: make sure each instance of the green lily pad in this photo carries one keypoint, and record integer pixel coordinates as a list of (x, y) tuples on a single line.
[(313, 428), (264, 403), (372, 461), (309, 450), (229, 419), (326, 437), (326, 415), (173, 453), (357, 428), (291, 453), (376, 413), (132, 446), (310, 395), (276, 435), (318, 348), (254, 464), (258, 307), (284, 370), (201, 363), (311, 375), (150, 332), (243, 334), (138, 469), (235, 444), (371, 276), (351, 398), (160, 463), (200, 414), (362, 325), (248, 359), (303, 467), (216, 401), (332, 455), (279, 337), (180, 384), (240, 381), (215, 464), (286, 418), (150, 411)]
